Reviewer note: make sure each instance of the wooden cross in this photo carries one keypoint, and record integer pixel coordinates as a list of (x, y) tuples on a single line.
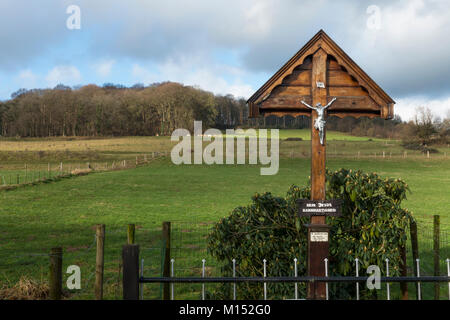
[(320, 74)]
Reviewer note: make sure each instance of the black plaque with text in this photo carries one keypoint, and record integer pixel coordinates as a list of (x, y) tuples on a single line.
[(330, 208)]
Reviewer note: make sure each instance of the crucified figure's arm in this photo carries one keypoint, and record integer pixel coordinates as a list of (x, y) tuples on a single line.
[(329, 103), (308, 105)]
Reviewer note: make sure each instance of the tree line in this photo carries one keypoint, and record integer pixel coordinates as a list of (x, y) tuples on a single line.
[(160, 108), (114, 110)]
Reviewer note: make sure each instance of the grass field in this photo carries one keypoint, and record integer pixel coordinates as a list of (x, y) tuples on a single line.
[(35, 218)]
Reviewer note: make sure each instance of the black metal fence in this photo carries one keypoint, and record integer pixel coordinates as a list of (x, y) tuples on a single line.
[(133, 279)]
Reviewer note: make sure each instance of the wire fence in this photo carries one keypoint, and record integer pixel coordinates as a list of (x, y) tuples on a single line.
[(191, 259), (34, 173)]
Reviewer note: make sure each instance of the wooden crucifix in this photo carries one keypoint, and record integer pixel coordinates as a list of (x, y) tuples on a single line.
[(320, 80)]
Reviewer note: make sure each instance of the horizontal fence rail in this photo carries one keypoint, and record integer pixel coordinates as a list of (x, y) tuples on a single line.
[(288, 279)]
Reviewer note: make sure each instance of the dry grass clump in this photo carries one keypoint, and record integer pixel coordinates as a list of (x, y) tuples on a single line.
[(25, 289), (80, 172)]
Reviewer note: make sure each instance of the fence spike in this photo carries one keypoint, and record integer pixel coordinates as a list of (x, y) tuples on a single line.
[(295, 275), (265, 284), (203, 275), (419, 293), (448, 274), (172, 261), (388, 289), (357, 274), (234, 276)]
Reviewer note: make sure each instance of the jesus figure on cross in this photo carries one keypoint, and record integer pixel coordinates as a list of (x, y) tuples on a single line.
[(320, 122)]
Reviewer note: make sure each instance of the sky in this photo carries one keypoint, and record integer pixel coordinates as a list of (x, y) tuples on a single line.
[(223, 46)]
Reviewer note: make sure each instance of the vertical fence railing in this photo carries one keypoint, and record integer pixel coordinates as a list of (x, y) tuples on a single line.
[(295, 284), (357, 274), (265, 275), (419, 291), (234, 276), (166, 231), (203, 275), (388, 289), (172, 274), (448, 275)]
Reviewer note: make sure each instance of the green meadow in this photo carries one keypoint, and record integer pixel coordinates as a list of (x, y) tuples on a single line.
[(35, 218)]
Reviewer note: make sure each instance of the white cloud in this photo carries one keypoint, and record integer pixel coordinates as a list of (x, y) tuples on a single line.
[(258, 19), (409, 55), (104, 67), (65, 74), (406, 107), (143, 75), (211, 77), (26, 79)]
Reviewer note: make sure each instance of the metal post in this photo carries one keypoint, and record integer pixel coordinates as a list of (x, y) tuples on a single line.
[(141, 287), (234, 276), (388, 289), (203, 275), (419, 293), (448, 274), (414, 244), (357, 274), (265, 284), (166, 228), (130, 258), (171, 284), (295, 275), (326, 275)]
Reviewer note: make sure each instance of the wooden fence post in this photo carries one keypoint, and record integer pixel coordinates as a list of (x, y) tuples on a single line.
[(130, 258), (99, 261), (436, 240), (55, 275), (131, 233), (414, 248), (166, 270), (403, 272)]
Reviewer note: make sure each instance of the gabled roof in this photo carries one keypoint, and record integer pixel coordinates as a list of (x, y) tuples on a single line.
[(376, 95)]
